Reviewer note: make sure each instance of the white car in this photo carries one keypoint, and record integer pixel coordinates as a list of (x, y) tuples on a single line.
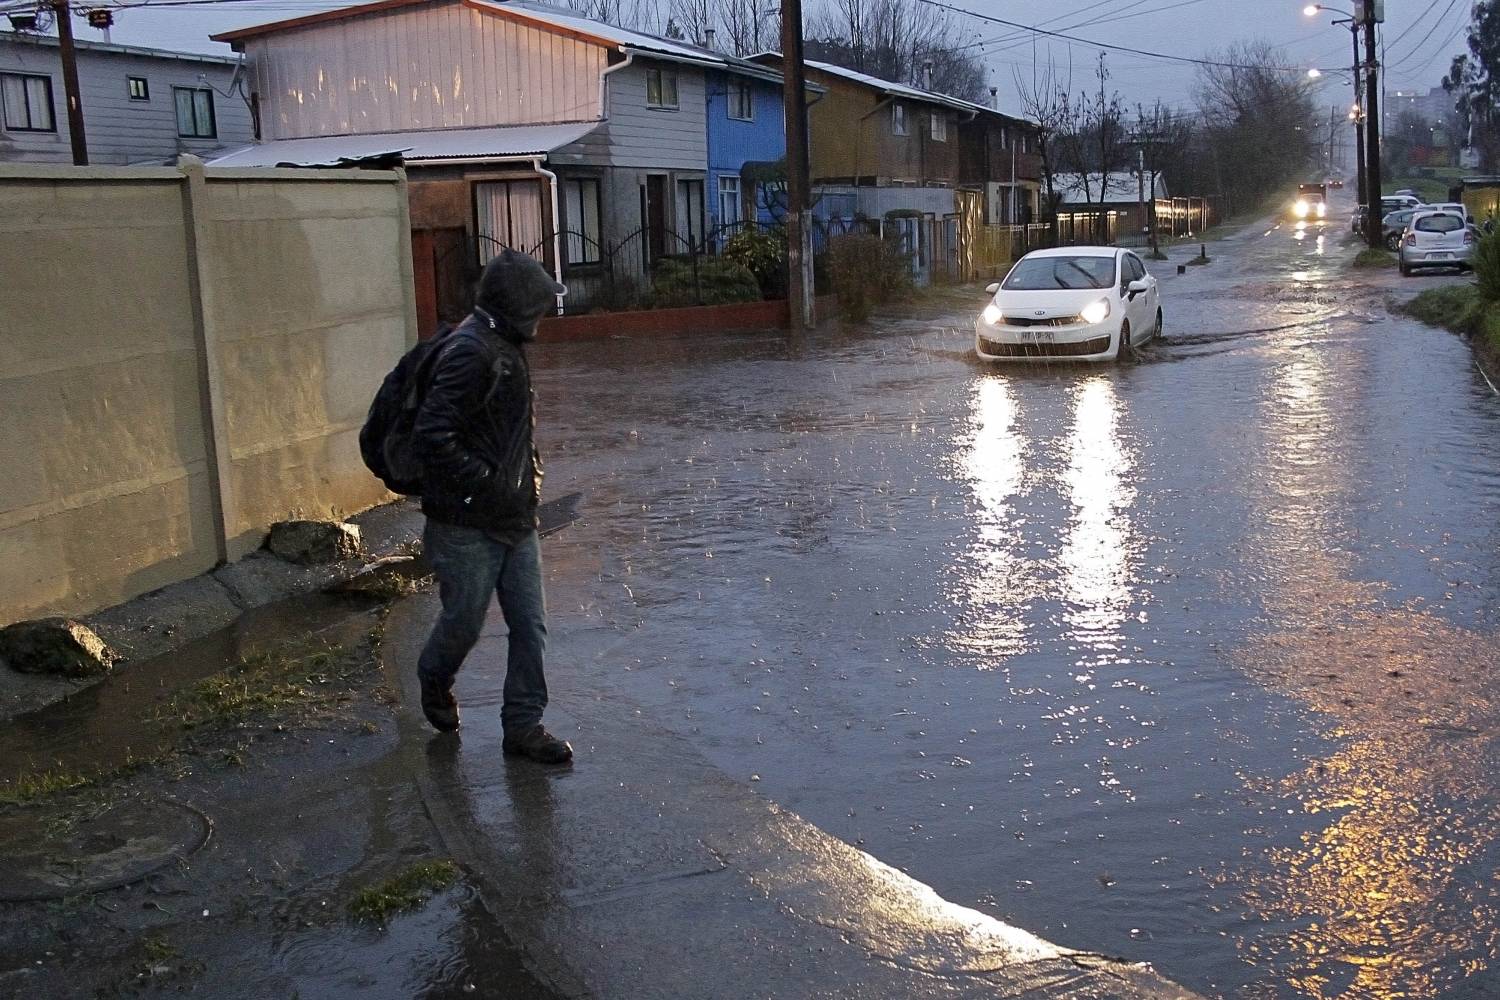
[(1080, 303), (1436, 239)]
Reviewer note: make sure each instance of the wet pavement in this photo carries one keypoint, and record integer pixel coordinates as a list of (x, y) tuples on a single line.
[(1189, 660)]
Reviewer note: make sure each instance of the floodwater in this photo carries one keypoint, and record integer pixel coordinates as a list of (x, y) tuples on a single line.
[(1190, 660)]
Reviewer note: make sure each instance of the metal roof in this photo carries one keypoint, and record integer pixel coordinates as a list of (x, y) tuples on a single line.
[(89, 44), (895, 89), (431, 145)]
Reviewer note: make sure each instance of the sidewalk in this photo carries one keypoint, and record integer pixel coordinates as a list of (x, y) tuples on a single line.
[(644, 872)]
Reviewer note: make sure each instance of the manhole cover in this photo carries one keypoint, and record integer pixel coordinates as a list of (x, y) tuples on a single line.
[(52, 851)]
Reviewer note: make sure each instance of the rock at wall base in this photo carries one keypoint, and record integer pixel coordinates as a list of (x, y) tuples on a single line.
[(61, 647), (309, 542)]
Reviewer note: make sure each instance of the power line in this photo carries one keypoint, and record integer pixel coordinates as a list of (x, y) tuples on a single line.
[(1101, 45)]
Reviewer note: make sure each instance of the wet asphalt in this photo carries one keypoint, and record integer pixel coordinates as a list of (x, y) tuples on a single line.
[(1189, 659)]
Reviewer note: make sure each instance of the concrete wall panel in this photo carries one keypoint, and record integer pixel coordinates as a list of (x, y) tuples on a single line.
[(177, 352)]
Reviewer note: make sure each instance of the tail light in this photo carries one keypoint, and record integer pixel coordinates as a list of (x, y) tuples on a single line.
[(1411, 239), (1469, 236)]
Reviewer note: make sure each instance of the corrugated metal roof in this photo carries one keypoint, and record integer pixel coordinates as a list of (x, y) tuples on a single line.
[(436, 144), (896, 89), (91, 45), (623, 37)]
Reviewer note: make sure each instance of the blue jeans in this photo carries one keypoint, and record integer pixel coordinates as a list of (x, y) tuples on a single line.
[(469, 565)]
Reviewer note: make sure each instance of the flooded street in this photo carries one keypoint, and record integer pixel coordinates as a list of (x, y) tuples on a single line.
[(1190, 659)]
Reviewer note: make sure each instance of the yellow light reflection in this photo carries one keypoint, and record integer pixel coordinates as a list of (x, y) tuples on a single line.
[(1094, 559)]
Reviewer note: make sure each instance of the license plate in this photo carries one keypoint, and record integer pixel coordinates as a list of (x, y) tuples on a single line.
[(1440, 256), (1037, 336)]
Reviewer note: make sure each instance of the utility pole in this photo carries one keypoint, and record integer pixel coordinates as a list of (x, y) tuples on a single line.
[(1359, 121), (798, 182), (1368, 11), (70, 83)]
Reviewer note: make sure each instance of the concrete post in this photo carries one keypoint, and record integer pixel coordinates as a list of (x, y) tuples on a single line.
[(199, 243)]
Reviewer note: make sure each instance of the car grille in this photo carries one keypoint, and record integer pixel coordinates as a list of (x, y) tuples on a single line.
[(1098, 345), (1050, 321)]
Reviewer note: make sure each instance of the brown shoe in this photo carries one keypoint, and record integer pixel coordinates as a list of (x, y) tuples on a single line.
[(439, 705), (535, 743)]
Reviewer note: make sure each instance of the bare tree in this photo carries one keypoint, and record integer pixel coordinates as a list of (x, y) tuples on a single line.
[(749, 26), (639, 15), (1258, 115), (1044, 100), (1165, 138), (1092, 143), (897, 40)]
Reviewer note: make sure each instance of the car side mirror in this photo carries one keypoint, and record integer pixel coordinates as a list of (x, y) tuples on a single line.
[(992, 288), (1137, 287)]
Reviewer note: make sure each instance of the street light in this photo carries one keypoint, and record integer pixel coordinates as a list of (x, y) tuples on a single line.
[(1314, 73), (1368, 179)]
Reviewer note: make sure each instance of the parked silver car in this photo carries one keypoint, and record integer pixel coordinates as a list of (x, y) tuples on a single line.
[(1436, 239)]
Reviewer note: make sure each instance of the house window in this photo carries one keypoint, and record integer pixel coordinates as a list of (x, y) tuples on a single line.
[(138, 88), (731, 210), (689, 218), (661, 88), (581, 210), (939, 126), (28, 102), (195, 113), (509, 216), (898, 119), (741, 101)]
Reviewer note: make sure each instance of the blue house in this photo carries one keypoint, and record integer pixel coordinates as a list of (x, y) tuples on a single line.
[(745, 129)]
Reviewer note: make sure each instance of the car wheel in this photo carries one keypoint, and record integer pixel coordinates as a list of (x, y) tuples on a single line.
[(1124, 352), (1393, 243), (1156, 334)]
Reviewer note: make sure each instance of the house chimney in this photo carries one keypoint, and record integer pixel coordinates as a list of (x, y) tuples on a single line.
[(927, 74), (708, 38), (995, 98)]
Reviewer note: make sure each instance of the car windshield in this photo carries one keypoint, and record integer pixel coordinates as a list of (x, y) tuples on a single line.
[(1035, 273), (1439, 224)]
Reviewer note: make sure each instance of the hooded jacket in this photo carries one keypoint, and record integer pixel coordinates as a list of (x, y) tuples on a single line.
[(476, 422)]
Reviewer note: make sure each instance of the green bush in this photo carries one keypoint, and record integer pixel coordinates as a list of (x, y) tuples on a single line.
[(1486, 264), (714, 282), (867, 271), (1370, 257), (761, 251), (1459, 308)]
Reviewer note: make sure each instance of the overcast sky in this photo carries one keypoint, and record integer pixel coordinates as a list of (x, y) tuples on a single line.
[(1421, 37)]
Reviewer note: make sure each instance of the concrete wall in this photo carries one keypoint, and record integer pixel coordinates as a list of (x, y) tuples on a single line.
[(185, 357)]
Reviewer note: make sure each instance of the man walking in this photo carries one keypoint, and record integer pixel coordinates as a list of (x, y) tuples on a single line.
[(482, 482)]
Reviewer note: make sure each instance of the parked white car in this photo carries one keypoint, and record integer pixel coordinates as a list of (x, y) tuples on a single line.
[(1436, 239), (1080, 303)]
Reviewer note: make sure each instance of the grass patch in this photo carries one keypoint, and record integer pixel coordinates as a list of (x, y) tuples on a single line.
[(282, 680), (1369, 257), (40, 784), (409, 890), (34, 785), (1459, 308)]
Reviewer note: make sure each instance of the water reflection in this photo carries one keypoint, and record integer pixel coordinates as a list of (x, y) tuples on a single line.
[(1095, 558), (996, 586), (1391, 893)]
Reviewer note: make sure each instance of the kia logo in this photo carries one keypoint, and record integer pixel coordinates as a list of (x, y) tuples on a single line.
[(1041, 312)]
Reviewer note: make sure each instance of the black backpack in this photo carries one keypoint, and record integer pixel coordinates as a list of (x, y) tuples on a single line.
[(386, 440)]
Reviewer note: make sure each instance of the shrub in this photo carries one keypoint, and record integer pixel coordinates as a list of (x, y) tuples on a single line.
[(1370, 257), (867, 271), (761, 251), (1486, 265), (713, 282)]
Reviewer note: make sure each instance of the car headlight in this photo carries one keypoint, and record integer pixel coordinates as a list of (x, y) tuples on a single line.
[(991, 314), (1095, 312), (1301, 209)]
